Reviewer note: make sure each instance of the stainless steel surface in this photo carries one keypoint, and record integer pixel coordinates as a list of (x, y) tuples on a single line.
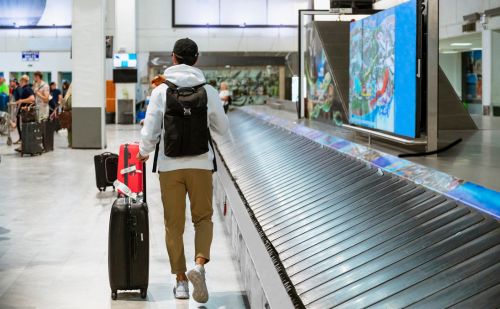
[(345, 235), (270, 281), (389, 137), (432, 74)]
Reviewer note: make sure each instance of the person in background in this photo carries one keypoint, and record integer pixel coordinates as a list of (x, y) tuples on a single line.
[(65, 87), (4, 95), (26, 100), (4, 88), (56, 99), (225, 96), (15, 90), (66, 107), (42, 96), (15, 94)]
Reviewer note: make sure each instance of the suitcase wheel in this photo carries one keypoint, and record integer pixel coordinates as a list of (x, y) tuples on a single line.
[(144, 293), (114, 294), (102, 189)]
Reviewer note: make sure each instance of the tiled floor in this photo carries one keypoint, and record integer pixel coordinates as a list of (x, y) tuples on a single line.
[(476, 159), (53, 236)]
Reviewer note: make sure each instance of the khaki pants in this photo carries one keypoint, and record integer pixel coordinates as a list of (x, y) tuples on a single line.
[(174, 185)]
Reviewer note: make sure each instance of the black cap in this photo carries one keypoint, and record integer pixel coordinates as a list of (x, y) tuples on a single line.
[(186, 48)]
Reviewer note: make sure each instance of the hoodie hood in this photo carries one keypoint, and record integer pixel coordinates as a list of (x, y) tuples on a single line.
[(184, 75)]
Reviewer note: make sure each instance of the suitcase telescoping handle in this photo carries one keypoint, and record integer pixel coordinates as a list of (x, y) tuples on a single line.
[(125, 163), (144, 181)]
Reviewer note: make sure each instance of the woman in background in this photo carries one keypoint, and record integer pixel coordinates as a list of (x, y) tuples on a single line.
[(225, 96), (65, 118)]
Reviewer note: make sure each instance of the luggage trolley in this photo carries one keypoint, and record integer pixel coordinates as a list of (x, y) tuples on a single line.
[(6, 120)]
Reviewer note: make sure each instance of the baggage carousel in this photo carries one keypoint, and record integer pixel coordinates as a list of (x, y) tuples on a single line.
[(343, 234)]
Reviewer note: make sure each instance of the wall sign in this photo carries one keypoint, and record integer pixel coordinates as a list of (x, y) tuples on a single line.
[(31, 55)]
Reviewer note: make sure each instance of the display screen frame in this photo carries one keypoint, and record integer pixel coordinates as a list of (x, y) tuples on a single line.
[(125, 76), (175, 24), (419, 70)]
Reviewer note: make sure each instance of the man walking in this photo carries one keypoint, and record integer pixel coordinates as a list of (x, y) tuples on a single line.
[(180, 115), (42, 96)]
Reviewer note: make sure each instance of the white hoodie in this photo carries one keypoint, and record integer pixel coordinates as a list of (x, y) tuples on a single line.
[(183, 76)]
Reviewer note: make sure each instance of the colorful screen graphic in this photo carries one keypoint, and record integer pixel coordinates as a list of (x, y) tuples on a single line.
[(323, 99), (383, 64), (125, 60)]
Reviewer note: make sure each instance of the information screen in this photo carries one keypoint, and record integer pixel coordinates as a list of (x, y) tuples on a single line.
[(383, 71), (125, 60)]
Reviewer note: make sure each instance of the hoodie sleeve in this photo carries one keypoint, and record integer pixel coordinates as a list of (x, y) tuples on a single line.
[(151, 131), (217, 119)]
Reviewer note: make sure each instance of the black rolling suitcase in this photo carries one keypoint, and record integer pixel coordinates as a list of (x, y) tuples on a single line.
[(48, 129), (106, 166), (32, 136), (128, 243)]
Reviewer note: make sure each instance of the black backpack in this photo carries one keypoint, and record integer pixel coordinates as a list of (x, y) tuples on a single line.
[(185, 121)]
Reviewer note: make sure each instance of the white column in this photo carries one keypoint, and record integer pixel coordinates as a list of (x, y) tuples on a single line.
[(88, 51), (487, 70), (125, 40)]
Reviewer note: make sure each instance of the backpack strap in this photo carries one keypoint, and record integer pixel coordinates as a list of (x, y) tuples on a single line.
[(170, 84), (213, 150), (157, 149), (174, 87)]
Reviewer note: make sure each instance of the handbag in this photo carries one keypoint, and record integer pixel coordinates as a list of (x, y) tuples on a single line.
[(28, 115), (65, 119)]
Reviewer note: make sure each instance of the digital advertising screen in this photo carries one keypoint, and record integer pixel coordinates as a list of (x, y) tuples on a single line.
[(125, 60), (383, 71), (125, 75)]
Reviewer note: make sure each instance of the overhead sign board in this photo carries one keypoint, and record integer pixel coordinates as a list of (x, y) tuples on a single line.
[(31, 55)]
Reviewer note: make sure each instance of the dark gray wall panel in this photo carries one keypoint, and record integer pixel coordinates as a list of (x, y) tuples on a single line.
[(87, 127)]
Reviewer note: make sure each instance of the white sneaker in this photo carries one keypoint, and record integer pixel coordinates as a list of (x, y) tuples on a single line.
[(181, 291), (197, 278)]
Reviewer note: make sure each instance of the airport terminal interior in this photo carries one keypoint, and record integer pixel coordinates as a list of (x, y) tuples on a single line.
[(350, 157)]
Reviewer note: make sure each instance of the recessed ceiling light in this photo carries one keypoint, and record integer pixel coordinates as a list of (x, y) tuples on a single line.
[(461, 44), (449, 52), (477, 48)]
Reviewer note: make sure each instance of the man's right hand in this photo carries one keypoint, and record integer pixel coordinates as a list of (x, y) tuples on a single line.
[(142, 158)]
